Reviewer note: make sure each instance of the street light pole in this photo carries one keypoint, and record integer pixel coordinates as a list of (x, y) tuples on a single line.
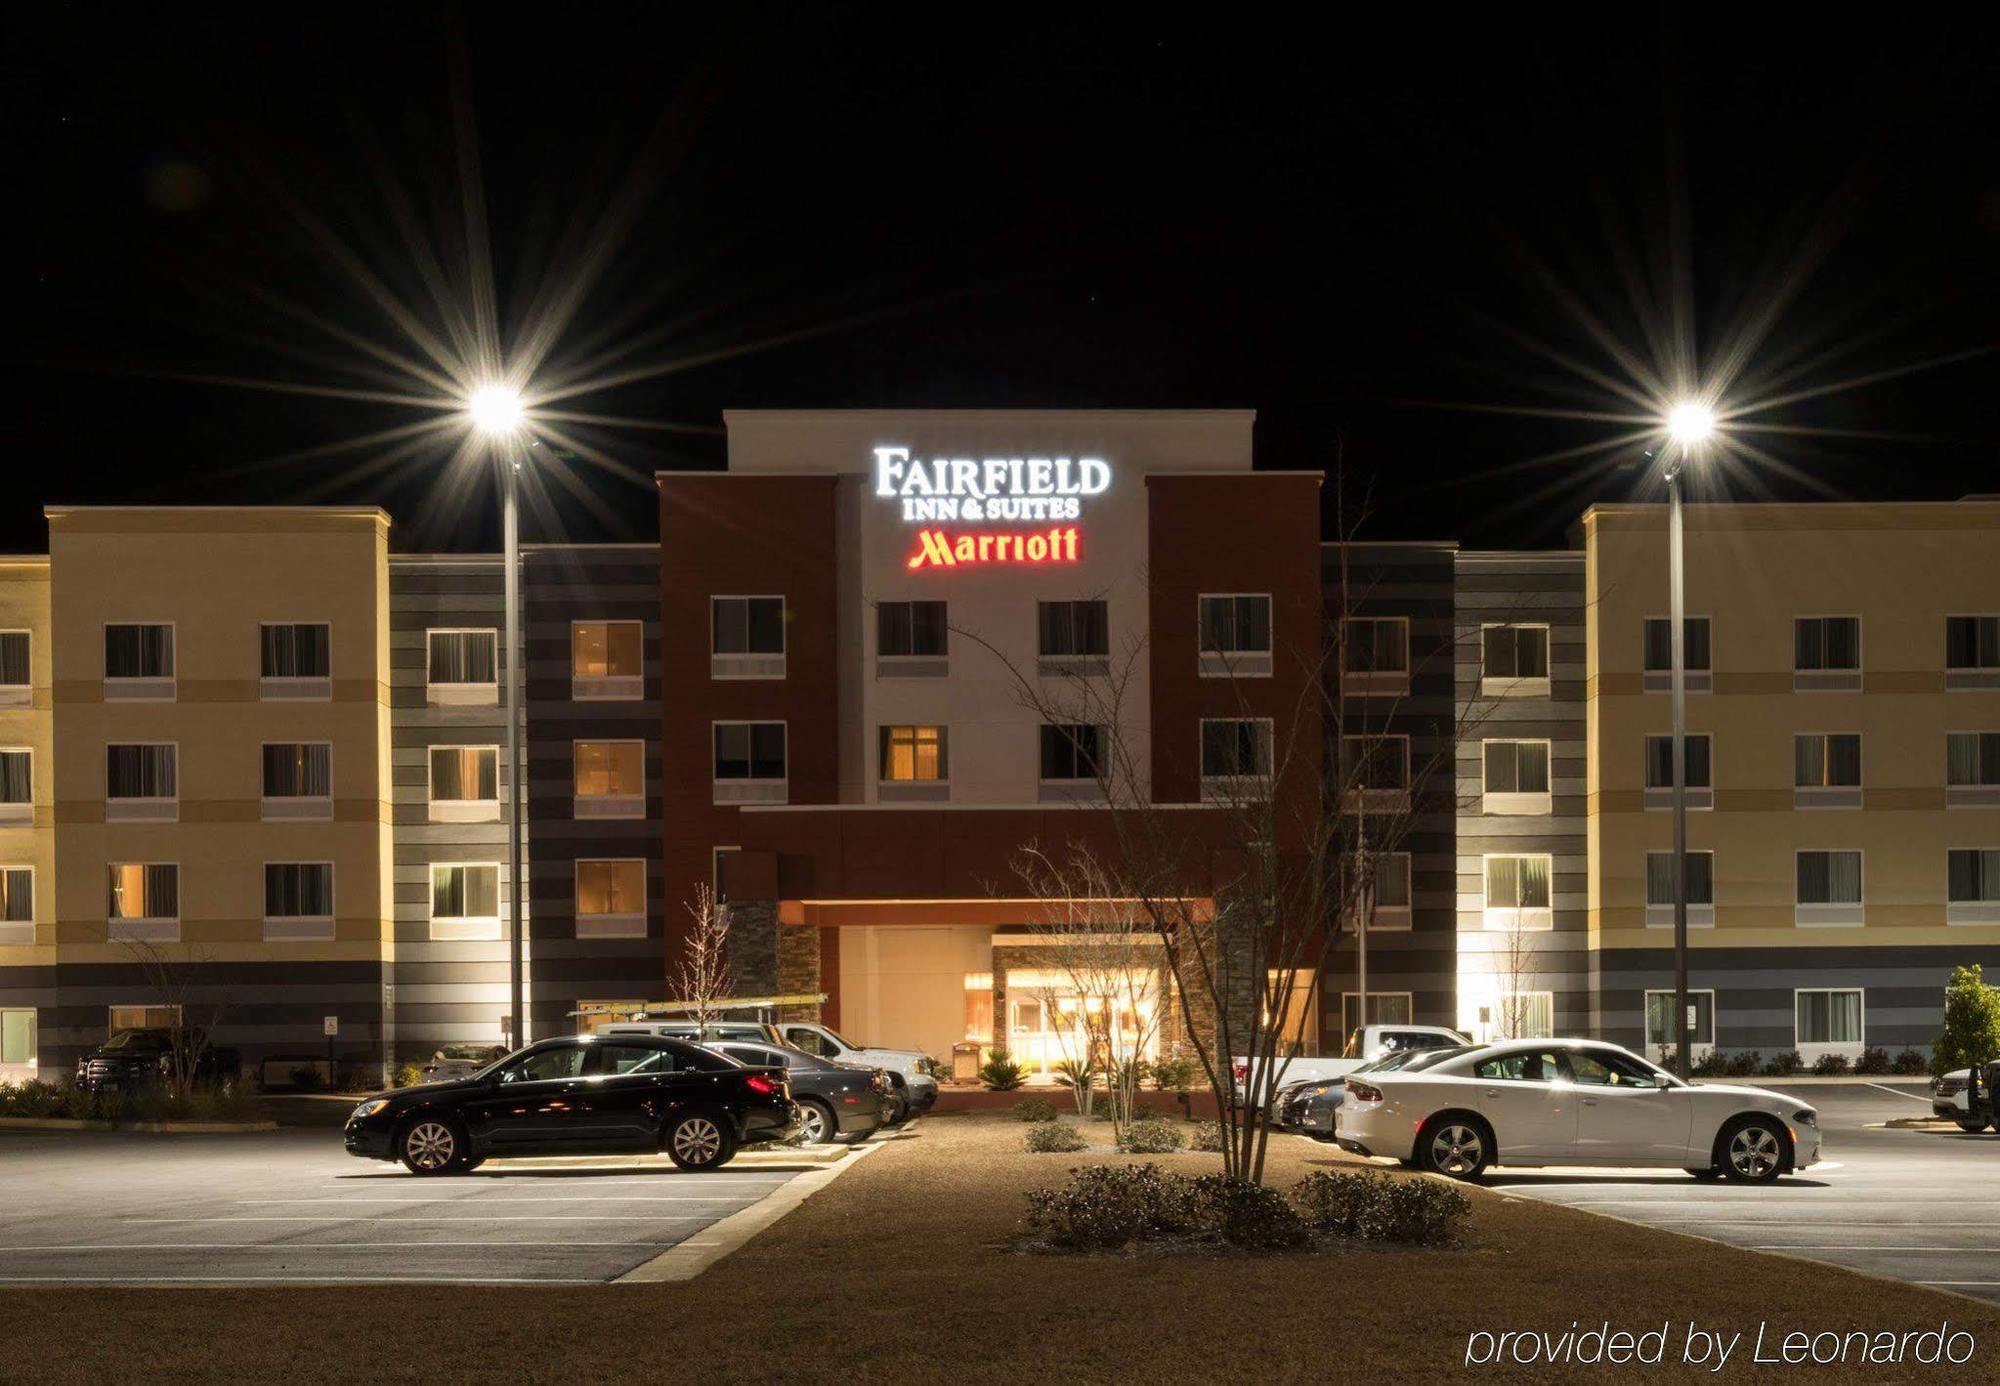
[(1676, 640), (510, 474)]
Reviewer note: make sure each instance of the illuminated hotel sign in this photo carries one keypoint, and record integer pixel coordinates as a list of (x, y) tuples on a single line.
[(1023, 490)]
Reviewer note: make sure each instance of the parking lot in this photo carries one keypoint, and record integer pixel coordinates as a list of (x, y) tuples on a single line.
[(1914, 1205), (292, 1207)]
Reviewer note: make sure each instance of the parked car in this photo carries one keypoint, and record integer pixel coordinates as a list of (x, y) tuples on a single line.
[(581, 1094), (1308, 1108), (1572, 1102), (134, 1059), (1365, 1044), (1953, 1098), (835, 1099), (911, 1088), (461, 1060)]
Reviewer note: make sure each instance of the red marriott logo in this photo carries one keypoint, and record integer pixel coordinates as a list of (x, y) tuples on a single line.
[(937, 549)]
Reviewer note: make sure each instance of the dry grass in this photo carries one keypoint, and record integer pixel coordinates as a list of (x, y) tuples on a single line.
[(902, 1271)]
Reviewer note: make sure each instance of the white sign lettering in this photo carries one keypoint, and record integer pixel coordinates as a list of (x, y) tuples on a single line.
[(1027, 489)]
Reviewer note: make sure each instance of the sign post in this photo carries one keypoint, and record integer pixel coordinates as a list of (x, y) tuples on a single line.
[(332, 1027)]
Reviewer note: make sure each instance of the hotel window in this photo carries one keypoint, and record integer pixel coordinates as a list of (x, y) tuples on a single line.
[(298, 900), (611, 899), (911, 630), (1696, 658), (465, 784), (1388, 901), (1070, 631), (610, 779), (1375, 654), (912, 763), (1525, 1014), (1826, 653), (1661, 1032), (1375, 774), (606, 660), (746, 637), (465, 900), (139, 661), (1384, 1008), (141, 1018), (141, 781), (750, 762), (298, 779), (462, 666), (1235, 752), (1700, 887), (1972, 652), (1826, 770), (17, 785), (1517, 777), (17, 904), (144, 901), (16, 670), (1697, 772), (1514, 661), (18, 1038), (1072, 751), (1972, 885), (1829, 888), (1828, 1019), (1518, 892), (1971, 769), (297, 660), (1235, 635)]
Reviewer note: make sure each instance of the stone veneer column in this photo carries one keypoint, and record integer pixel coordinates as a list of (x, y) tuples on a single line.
[(753, 947), (798, 968)]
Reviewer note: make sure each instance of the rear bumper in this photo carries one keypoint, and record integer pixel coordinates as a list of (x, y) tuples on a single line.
[(1354, 1147), (777, 1122)]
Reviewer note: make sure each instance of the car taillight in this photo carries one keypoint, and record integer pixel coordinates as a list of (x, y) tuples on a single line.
[(759, 1083), (1363, 1092)]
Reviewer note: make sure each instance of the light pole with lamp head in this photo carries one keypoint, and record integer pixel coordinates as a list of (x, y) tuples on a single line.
[(498, 414), (1689, 425)]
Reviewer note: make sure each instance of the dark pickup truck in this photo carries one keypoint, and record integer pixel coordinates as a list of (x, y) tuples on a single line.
[(134, 1059)]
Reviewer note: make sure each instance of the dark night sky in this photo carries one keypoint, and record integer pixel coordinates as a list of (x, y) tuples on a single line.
[(1324, 223)]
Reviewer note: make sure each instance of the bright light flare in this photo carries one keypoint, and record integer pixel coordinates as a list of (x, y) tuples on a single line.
[(496, 410), (1691, 423)]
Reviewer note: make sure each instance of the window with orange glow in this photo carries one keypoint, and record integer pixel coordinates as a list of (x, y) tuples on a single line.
[(610, 887), (606, 650), (610, 768), (913, 753)]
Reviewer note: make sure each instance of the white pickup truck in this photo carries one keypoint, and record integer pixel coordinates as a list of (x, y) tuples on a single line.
[(1369, 1042), (913, 1088)]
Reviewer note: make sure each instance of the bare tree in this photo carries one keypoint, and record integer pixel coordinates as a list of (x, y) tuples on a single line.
[(172, 975), (1102, 948), (702, 981)]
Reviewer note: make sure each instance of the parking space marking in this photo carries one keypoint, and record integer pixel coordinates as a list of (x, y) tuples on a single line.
[(464, 1199), (380, 1217), (1897, 1092), (294, 1280), (320, 1246)]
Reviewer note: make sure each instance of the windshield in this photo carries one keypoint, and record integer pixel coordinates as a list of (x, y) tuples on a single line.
[(137, 1040), (843, 1041), (1389, 1063), (1429, 1058)]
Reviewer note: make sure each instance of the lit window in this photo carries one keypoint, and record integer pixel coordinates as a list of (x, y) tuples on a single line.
[(613, 772), (142, 892), (18, 1038), (610, 898), (607, 659), (913, 753)]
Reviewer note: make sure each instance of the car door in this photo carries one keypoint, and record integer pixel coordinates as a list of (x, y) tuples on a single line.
[(533, 1103), (1532, 1109), (627, 1093), (812, 1041), (1626, 1114)]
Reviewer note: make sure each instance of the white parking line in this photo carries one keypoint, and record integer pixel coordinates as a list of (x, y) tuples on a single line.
[(465, 1199), (1896, 1092), (316, 1246), (1933, 1250), (293, 1280), (379, 1217)]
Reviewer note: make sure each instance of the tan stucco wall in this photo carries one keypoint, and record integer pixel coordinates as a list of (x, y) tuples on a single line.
[(1752, 570), (24, 605)]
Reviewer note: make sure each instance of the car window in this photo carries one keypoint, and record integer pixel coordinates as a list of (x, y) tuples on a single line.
[(1597, 1069), (809, 1040), (545, 1064), (1525, 1066), (1414, 1039), (708, 1060), (630, 1058)]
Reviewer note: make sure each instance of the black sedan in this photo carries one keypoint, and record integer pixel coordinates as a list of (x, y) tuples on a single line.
[(581, 1095), (837, 1099)]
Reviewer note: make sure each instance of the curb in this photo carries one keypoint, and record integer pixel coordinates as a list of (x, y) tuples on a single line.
[(686, 1261), (156, 1128)]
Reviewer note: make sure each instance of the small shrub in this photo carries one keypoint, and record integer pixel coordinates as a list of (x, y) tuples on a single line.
[(1000, 1073), (1377, 1208), (1071, 1073), (1712, 1064), (307, 1078), (408, 1075), (1055, 1137), (1175, 1074), (1150, 1136), (1036, 1109), (1910, 1062), (1207, 1138), (1873, 1061), (36, 1099), (1252, 1216), (1745, 1064), (1830, 1066), (1785, 1065), (1108, 1207)]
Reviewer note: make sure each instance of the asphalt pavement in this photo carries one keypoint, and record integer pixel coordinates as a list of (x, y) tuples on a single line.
[(292, 1207), (1913, 1205)]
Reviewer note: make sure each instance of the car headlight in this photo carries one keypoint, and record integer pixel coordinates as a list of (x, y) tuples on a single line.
[(370, 1108), (1807, 1117)]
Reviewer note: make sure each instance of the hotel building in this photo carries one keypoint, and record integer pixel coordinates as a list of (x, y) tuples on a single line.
[(252, 768)]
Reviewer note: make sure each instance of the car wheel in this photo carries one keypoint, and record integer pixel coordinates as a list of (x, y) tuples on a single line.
[(1972, 1128), (431, 1145), (1753, 1151), (819, 1122), (1455, 1147), (897, 1109), (700, 1140)]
